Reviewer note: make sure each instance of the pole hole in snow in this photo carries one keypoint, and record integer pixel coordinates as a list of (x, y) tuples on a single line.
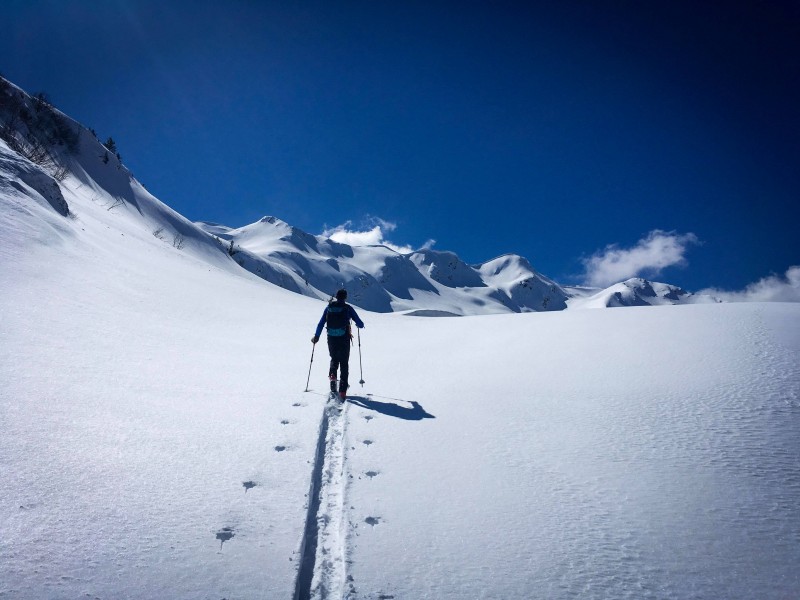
[(372, 521), (367, 442), (248, 485), (372, 474), (280, 448), (284, 421), (224, 534)]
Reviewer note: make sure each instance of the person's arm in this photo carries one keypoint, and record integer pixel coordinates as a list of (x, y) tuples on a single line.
[(354, 316), (321, 324)]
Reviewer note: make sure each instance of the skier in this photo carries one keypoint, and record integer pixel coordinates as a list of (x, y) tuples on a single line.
[(337, 317)]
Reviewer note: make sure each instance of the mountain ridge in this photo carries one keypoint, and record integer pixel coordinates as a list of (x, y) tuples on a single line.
[(48, 157)]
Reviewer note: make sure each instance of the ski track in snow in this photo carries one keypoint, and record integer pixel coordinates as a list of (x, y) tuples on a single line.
[(323, 549), (639, 454)]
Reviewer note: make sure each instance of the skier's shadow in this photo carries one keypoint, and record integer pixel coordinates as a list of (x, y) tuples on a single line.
[(415, 413)]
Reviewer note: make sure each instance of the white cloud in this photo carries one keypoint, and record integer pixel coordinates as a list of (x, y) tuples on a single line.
[(657, 251), (768, 289), (373, 234), (345, 235), (429, 244)]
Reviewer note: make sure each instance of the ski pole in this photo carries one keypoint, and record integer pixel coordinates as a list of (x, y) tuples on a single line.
[(313, 347), (360, 366)]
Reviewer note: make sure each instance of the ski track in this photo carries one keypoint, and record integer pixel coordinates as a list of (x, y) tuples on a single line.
[(323, 548)]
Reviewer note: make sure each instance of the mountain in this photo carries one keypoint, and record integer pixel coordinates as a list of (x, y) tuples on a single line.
[(425, 282), (48, 162), (48, 157), (637, 292), (157, 441)]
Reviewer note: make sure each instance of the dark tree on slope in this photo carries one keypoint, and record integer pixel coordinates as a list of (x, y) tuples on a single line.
[(111, 145), (42, 101), (31, 124), (51, 127)]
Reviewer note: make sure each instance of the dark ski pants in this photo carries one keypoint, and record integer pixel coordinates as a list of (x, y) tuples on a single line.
[(339, 348)]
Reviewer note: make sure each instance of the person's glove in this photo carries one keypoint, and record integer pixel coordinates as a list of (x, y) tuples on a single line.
[(314, 340), (361, 326)]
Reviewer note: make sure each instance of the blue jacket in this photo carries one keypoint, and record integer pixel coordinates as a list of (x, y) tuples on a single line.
[(351, 314)]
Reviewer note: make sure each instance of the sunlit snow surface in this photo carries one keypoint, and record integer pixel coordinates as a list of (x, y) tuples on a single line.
[(643, 453), (157, 442)]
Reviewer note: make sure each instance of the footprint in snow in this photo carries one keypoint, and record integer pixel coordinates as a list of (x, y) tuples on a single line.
[(372, 474), (299, 404), (224, 534), (368, 442), (284, 421), (248, 485), (368, 418), (280, 448), (372, 521)]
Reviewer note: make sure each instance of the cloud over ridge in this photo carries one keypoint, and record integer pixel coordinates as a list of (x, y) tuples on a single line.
[(373, 233), (651, 254), (773, 288)]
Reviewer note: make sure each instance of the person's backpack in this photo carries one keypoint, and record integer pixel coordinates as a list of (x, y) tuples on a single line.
[(338, 319)]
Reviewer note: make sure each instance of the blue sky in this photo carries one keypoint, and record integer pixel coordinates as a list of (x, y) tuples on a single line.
[(597, 139)]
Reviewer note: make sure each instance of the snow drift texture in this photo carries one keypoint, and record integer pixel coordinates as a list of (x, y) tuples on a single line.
[(157, 441)]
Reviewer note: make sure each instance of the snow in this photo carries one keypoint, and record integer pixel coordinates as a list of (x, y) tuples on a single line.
[(131, 420), (28, 181), (636, 292), (381, 279), (609, 454), (157, 441)]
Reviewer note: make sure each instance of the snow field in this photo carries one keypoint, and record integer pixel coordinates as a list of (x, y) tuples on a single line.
[(142, 389), (157, 443), (645, 453)]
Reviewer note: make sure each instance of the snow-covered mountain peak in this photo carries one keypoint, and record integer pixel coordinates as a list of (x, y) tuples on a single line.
[(381, 279), (52, 160), (507, 266), (446, 268), (637, 291)]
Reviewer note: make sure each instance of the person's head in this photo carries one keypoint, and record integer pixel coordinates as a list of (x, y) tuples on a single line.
[(341, 295)]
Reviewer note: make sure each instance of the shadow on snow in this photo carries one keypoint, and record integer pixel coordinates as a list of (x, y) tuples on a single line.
[(415, 413)]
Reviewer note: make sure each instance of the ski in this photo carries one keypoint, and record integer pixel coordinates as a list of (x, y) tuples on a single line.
[(333, 397), (335, 404)]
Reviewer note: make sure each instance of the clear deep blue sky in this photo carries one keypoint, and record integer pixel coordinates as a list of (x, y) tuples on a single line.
[(548, 129)]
